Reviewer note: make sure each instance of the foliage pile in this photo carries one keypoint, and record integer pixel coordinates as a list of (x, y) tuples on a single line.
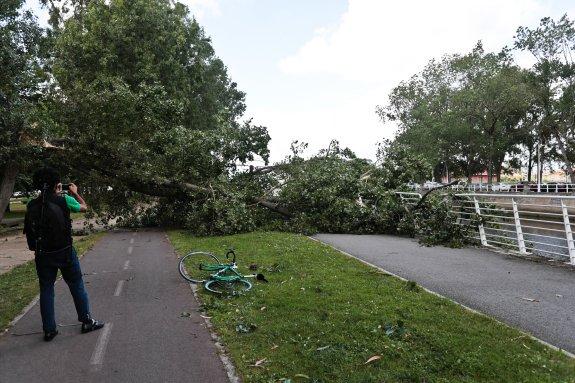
[(332, 191)]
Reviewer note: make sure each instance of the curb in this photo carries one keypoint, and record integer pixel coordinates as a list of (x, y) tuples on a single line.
[(222, 352), (22, 313)]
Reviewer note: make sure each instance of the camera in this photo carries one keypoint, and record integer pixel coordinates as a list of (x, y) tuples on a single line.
[(65, 187)]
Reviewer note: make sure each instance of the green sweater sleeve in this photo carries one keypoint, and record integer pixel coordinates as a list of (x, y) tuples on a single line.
[(73, 205)]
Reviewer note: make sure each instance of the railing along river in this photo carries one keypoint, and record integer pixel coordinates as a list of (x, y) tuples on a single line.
[(525, 223)]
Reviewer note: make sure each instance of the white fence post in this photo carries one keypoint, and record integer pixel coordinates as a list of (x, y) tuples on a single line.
[(520, 239), (568, 233), (481, 228)]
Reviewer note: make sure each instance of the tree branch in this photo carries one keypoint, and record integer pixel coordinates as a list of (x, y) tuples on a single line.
[(424, 197)]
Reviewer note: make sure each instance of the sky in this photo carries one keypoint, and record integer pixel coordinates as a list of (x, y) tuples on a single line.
[(315, 70)]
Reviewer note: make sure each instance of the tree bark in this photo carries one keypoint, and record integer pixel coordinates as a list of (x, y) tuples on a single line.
[(499, 168), (163, 187), (530, 164), (9, 174)]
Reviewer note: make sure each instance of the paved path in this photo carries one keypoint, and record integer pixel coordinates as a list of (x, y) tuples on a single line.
[(492, 283), (134, 286)]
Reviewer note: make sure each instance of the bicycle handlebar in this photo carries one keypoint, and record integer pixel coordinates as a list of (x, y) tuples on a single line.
[(228, 255)]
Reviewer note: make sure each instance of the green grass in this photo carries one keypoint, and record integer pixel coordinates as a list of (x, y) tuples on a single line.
[(20, 285), (323, 315), (14, 214), (17, 206), (18, 210)]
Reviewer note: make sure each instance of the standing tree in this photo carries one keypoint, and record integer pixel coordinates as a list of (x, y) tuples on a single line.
[(493, 99), (464, 113), (552, 43), (21, 78)]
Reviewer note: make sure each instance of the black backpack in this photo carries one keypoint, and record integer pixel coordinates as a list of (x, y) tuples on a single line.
[(47, 224)]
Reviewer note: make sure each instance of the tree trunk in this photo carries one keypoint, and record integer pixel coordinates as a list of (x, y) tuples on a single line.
[(499, 168), (530, 164), (541, 167), (7, 186)]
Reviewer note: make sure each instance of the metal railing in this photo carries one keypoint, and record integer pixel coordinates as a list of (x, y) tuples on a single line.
[(517, 188), (528, 224), (557, 188)]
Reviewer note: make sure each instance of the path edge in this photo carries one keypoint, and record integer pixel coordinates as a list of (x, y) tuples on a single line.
[(553, 347), (222, 352), (21, 315)]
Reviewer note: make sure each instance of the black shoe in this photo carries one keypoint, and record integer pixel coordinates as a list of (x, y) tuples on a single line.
[(91, 325), (48, 336)]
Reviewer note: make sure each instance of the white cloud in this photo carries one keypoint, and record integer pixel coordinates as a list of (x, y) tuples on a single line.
[(40, 12), (377, 44), (354, 124), (202, 8), (385, 41)]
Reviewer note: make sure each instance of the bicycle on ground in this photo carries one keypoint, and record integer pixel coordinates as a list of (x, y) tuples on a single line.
[(200, 267)]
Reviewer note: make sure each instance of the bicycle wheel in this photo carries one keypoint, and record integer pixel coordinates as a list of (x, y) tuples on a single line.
[(234, 287), (191, 266)]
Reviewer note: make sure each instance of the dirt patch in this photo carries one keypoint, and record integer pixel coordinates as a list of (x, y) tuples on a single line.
[(14, 249), (13, 252)]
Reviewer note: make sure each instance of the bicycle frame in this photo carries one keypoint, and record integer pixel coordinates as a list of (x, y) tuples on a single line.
[(221, 270)]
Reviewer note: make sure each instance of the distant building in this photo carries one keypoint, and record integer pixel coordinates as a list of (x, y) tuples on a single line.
[(483, 178), (479, 178)]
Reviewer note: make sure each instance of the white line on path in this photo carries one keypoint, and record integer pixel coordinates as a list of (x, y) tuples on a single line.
[(100, 350), (127, 264), (131, 241), (130, 249), (119, 288)]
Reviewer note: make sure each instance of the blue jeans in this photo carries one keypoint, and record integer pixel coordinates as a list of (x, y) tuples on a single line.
[(47, 270)]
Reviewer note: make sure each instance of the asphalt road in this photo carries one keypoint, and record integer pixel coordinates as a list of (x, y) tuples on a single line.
[(495, 284), (134, 286)]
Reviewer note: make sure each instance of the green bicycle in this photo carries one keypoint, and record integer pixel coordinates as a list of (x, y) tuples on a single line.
[(217, 277)]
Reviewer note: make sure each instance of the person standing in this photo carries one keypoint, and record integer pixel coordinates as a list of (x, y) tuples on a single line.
[(48, 229)]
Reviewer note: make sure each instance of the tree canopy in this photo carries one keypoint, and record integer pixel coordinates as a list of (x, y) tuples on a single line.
[(22, 79), (482, 112)]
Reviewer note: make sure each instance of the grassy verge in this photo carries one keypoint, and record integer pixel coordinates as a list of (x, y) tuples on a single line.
[(18, 210), (19, 285), (322, 316), (14, 214)]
